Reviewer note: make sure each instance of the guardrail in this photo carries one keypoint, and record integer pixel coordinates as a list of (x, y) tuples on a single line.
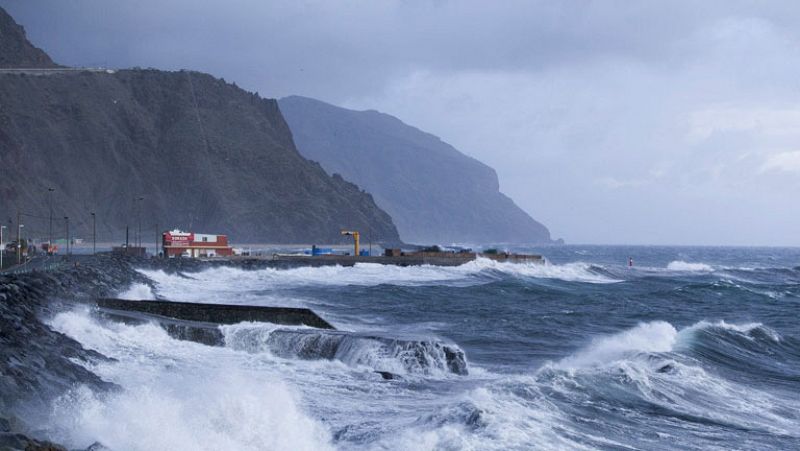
[(53, 70), (48, 263)]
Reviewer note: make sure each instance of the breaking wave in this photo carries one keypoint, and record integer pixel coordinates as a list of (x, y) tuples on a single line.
[(224, 279), (177, 395), (656, 336), (394, 356), (650, 374), (136, 292), (665, 368), (680, 265)]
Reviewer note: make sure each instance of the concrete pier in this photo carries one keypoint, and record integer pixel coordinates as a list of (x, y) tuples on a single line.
[(218, 313)]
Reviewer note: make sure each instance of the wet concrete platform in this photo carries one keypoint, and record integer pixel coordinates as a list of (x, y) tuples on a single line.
[(218, 313)]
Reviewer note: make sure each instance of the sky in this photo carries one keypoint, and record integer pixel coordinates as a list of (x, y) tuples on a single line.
[(630, 122)]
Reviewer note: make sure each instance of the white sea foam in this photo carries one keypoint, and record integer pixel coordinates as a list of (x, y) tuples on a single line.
[(651, 337), (568, 272), (743, 329), (137, 291), (400, 357), (654, 368), (680, 265), (655, 336), (217, 283), (178, 395), (504, 421)]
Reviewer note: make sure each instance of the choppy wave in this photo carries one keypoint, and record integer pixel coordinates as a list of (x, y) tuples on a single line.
[(536, 378), (613, 387), (680, 265), (656, 364), (393, 356)]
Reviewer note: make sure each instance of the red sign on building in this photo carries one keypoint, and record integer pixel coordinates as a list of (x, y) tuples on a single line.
[(189, 244)]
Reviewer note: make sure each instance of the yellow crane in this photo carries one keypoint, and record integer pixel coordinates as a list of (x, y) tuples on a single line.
[(355, 236)]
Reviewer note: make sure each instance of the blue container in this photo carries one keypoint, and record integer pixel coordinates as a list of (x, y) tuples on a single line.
[(363, 253), (321, 251)]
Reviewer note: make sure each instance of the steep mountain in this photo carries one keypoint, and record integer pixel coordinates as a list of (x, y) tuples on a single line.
[(202, 153), (435, 193), (15, 50)]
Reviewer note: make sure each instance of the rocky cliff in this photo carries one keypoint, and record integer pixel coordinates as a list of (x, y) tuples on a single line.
[(435, 193), (202, 153), (15, 50)]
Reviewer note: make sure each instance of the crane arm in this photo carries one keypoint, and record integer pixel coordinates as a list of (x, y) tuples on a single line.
[(356, 237)]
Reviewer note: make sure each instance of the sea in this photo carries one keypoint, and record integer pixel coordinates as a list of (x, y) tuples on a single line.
[(689, 348)]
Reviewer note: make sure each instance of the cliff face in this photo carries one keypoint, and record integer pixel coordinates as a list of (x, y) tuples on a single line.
[(435, 193), (204, 154), (15, 50)]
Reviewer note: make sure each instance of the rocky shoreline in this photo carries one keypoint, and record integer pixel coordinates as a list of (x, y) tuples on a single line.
[(37, 364)]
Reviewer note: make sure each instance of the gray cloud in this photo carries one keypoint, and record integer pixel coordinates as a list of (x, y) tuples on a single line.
[(612, 121)]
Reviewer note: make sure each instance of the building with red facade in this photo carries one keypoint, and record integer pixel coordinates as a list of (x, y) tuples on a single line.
[(189, 244)]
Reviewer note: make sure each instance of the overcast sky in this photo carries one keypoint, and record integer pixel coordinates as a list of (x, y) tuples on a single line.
[(637, 122)]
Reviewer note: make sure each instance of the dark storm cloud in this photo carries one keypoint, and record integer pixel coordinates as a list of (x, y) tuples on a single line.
[(342, 48), (611, 121)]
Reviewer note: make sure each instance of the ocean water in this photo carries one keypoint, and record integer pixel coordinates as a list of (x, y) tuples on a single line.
[(692, 348)]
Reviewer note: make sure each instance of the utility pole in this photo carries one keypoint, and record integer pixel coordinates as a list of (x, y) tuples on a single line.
[(66, 222), (155, 253), (94, 234), (50, 230)]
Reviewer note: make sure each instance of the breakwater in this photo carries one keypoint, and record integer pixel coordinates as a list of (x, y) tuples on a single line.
[(405, 259), (217, 313)]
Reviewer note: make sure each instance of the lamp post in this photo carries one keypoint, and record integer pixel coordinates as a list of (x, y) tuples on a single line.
[(19, 242), (2, 246), (50, 229), (137, 203), (66, 225), (94, 234)]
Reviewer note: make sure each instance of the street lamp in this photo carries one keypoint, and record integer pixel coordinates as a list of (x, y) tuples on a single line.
[(139, 222), (50, 230), (2, 246), (19, 242), (66, 222), (94, 234)]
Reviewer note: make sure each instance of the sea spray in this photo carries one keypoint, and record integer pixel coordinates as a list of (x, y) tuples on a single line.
[(656, 336), (679, 265), (137, 291), (184, 396)]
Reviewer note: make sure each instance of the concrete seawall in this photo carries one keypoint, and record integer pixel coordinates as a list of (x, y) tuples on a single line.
[(218, 313), (411, 259)]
